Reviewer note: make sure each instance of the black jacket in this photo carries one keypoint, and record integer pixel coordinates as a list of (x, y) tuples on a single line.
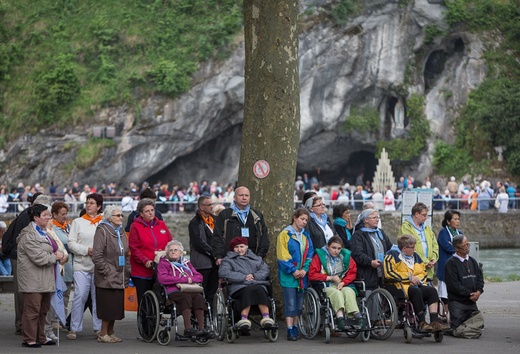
[(12, 232), (228, 222), (340, 230), (317, 234), (363, 253), (201, 253), (461, 281)]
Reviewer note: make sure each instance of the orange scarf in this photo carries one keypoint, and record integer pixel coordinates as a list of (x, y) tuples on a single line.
[(92, 220), (62, 226), (208, 220)]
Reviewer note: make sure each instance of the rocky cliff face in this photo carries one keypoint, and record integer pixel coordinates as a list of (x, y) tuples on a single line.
[(198, 135)]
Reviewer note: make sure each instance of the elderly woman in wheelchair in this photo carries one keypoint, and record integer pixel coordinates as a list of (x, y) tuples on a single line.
[(406, 273), (182, 283), (247, 277), (333, 266)]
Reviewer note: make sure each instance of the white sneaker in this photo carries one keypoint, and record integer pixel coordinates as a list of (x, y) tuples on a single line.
[(266, 322), (244, 324)]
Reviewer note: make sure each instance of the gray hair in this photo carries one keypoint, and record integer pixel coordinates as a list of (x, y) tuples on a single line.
[(363, 215), (109, 211), (144, 202), (173, 243), (44, 200)]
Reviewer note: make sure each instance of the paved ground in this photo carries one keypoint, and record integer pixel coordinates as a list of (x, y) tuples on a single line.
[(500, 304)]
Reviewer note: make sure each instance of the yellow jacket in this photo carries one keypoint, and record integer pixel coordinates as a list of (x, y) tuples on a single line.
[(397, 271)]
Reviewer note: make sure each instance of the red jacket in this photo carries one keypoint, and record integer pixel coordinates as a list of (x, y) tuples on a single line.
[(317, 273), (146, 238)]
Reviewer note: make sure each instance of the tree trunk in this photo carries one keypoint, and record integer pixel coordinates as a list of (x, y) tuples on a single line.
[(271, 129)]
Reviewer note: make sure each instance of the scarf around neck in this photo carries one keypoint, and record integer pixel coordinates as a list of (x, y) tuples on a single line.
[(93, 220), (208, 221), (64, 226), (343, 223), (242, 214)]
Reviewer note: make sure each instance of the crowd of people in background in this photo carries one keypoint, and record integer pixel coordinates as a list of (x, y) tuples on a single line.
[(460, 195)]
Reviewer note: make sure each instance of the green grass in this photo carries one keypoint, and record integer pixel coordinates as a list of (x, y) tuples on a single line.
[(61, 61)]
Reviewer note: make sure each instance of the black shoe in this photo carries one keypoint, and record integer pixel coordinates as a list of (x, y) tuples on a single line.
[(191, 332), (34, 345), (341, 323)]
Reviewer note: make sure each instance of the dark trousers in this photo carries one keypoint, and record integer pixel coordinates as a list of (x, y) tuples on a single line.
[(142, 286), (460, 312), (420, 295), (36, 306), (209, 282), (18, 299)]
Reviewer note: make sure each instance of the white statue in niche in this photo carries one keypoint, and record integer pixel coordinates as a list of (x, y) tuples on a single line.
[(399, 115)]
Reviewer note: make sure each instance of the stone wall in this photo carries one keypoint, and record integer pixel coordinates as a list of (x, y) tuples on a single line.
[(490, 229)]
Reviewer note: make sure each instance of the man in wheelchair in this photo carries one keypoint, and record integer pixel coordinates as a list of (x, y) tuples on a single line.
[(174, 271), (333, 265), (405, 269), (247, 276)]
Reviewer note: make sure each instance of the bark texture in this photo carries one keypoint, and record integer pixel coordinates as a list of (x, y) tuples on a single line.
[(271, 129)]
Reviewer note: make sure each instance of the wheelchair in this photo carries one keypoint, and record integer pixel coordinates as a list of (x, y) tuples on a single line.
[(157, 315), (224, 316), (316, 305), (407, 318)]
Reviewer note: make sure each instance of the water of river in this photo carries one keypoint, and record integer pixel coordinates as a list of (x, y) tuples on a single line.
[(500, 262)]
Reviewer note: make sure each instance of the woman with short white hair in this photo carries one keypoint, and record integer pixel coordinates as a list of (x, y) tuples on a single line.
[(111, 271)]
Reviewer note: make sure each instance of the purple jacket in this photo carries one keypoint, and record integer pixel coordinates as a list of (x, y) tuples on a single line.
[(169, 275)]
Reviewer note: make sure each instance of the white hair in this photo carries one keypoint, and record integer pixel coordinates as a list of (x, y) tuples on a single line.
[(173, 243), (109, 211)]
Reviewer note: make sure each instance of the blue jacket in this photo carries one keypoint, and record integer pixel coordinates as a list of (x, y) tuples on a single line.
[(292, 256), (446, 250)]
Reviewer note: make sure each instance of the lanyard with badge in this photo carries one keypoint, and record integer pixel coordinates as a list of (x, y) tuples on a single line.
[(121, 257), (244, 231)]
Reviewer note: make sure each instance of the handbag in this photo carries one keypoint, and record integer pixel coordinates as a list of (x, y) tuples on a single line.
[(497, 203), (190, 288)]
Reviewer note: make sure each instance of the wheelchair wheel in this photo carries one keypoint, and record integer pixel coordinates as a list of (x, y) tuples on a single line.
[(407, 334), (231, 335), (365, 335), (309, 321), (148, 316), (164, 337), (327, 334), (202, 340), (220, 315), (438, 336), (271, 334), (384, 318)]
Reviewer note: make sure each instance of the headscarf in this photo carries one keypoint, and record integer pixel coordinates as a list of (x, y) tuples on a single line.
[(362, 216)]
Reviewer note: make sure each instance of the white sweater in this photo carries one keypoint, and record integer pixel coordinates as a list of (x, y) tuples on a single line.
[(81, 237)]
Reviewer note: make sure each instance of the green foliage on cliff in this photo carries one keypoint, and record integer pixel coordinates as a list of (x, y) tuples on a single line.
[(490, 117), (62, 60), (344, 10), (91, 151), (405, 149), (362, 120)]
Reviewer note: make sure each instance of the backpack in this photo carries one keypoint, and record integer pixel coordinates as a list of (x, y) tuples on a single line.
[(471, 328)]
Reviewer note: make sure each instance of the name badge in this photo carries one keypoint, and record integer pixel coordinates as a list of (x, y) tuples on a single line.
[(121, 261), (245, 232)]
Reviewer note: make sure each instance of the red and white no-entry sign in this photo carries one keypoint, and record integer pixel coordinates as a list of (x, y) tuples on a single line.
[(261, 169)]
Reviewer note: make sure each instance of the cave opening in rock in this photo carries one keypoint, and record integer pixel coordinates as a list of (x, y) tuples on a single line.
[(216, 160), (434, 67)]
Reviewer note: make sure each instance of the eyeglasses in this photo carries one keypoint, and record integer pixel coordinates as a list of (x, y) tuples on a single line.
[(410, 247), (318, 205), (424, 215), (118, 215), (172, 250), (91, 203)]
